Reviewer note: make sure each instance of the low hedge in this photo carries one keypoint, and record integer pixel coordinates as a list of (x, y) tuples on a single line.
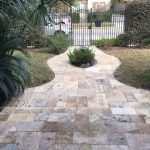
[(105, 42), (75, 17), (103, 16), (58, 44), (122, 40)]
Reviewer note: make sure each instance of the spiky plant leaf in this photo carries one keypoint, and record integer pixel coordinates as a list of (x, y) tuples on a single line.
[(13, 75)]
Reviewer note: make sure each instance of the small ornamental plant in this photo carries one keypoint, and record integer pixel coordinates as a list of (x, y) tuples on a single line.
[(82, 57)]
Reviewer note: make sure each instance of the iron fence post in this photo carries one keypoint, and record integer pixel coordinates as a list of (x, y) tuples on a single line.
[(91, 28), (72, 40)]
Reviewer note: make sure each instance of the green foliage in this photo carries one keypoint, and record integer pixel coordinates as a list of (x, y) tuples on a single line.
[(105, 42), (32, 35), (107, 16), (103, 16), (36, 10), (137, 22), (117, 1), (75, 17), (59, 43), (13, 75), (144, 79), (123, 40), (82, 56)]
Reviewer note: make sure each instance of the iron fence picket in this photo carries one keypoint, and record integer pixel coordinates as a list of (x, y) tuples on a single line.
[(84, 32)]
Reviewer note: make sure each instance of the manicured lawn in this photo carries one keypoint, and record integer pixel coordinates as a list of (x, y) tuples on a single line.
[(39, 70), (135, 67)]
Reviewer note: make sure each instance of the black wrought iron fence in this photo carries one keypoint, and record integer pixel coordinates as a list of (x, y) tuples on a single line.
[(93, 25), (83, 26)]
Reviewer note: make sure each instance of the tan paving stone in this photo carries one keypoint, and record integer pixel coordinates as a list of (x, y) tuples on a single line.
[(116, 96), (21, 117), (4, 117), (88, 128), (95, 110), (143, 111), (73, 147), (109, 147), (61, 117), (144, 128), (32, 126), (137, 118), (81, 118), (80, 101), (57, 127), (95, 138)]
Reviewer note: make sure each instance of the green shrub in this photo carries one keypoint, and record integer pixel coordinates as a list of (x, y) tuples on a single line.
[(32, 35), (75, 17), (117, 1), (123, 40), (13, 75), (92, 17), (137, 22), (105, 42), (82, 56), (107, 16), (59, 43), (103, 16), (100, 43)]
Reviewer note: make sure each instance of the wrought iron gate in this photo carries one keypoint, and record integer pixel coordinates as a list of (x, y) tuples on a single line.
[(85, 26), (88, 26)]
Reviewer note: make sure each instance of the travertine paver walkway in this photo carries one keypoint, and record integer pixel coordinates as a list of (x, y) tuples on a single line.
[(81, 109)]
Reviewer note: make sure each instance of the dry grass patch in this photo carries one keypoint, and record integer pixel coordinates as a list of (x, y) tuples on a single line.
[(135, 67)]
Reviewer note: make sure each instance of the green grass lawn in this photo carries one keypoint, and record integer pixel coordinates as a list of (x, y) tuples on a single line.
[(39, 71), (135, 67)]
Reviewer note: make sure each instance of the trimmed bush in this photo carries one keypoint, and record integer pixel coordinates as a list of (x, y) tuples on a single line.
[(32, 35), (59, 43), (103, 16), (123, 40), (83, 57), (137, 22), (75, 17), (105, 42)]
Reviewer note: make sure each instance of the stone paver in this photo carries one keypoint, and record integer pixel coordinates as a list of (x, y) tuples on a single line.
[(81, 109)]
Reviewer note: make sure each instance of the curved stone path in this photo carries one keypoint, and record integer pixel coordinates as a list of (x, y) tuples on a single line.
[(81, 109)]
